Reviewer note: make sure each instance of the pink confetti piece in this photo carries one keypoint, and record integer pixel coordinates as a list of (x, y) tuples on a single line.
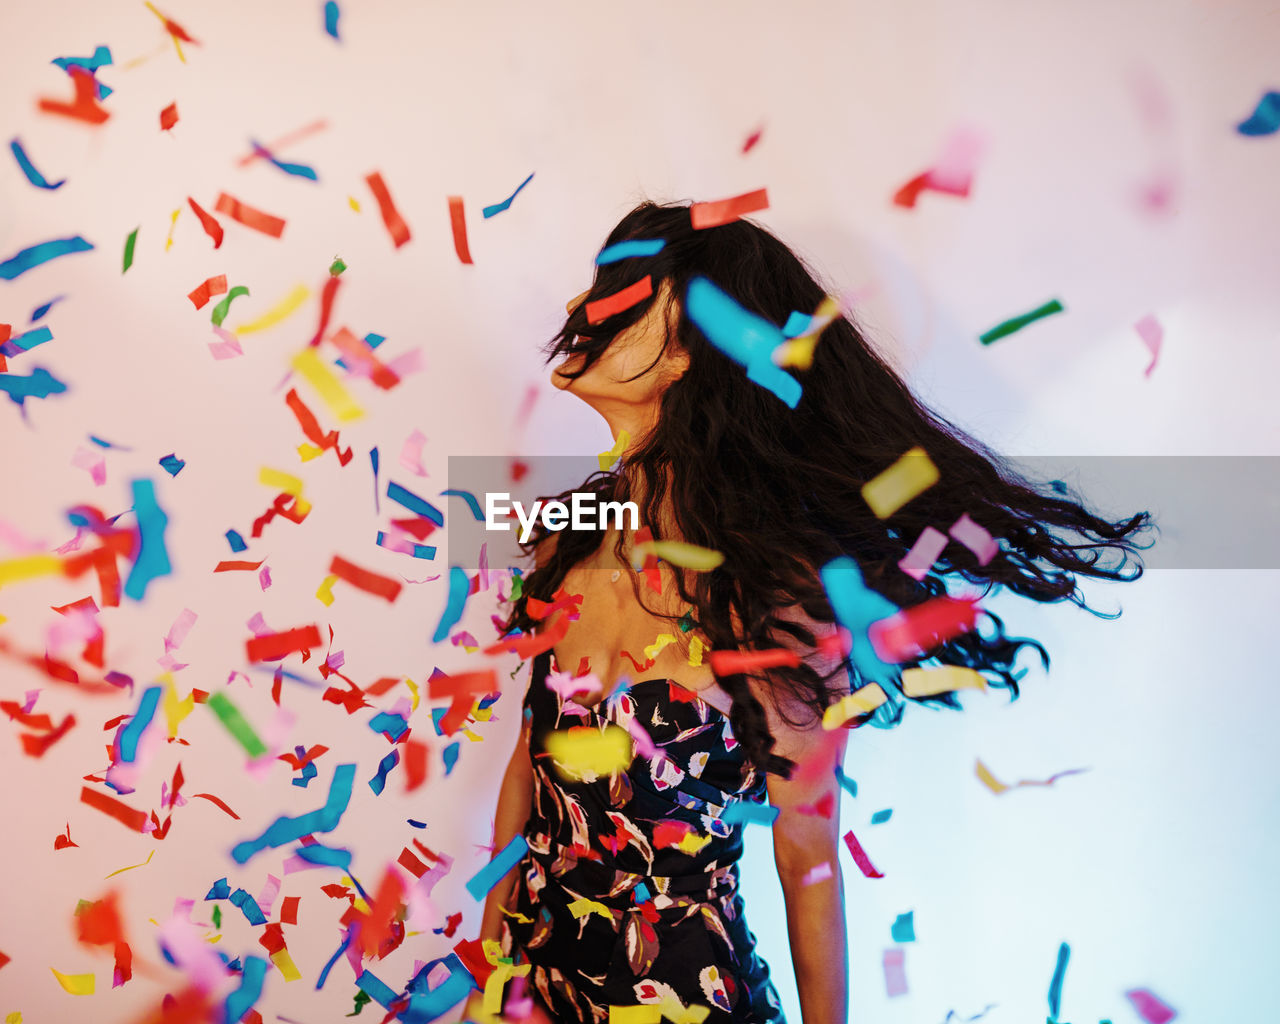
[(407, 363), (464, 639), (30, 702), (975, 538), (198, 960), (895, 976), (567, 686), (258, 625), (1152, 335), (526, 406), (411, 453), (228, 347), (269, 893), (954, 169), (18, 542), (264, 577), (74, 543), (924, 552), (819, 873), (74, 627), (93, 462), (860, 856), (483, 573), (1150, 1007)]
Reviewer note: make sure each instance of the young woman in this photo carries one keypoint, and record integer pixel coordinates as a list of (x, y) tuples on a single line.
[(628, 893)]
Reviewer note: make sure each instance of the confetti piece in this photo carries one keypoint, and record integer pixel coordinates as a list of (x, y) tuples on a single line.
[(924, 553), (903, 928), (370, 582), (1018, 322), (130, 735), (379, 782), (1055, 984), (611, 456), (286, 829), (925, 682), (130, 242), (85, 106), (217, 803), (860, 856), (975, 538), (202, 293), (862, 701), (751, 140), (747, 813), (109, 805), (26, 341), (222, 308), (173, 222), (493, 872), (211, 226), (327, 386), (277, 313), (363, 361), (76, 984), (172, 464), (295, 169), (725, 663), (798, 351), (93, 462), (395, 225), (273, 646), (311, 428), (1152, 335), (39, 383), (1265, 119), (248, 216), (910, 633), (489, 211), (889, 490), (895, 977), (601, 309), (132, 866), (29, 169), (685, 555), (998, 787), (331, 18), (630, 248), (153, 559), (169, 117), (635, 1014), (239, 1002), (325, 590), (881, 816), (34, 255), (723, 211), (582, 751), (235, 724), (227, 348), (1145, 1003)]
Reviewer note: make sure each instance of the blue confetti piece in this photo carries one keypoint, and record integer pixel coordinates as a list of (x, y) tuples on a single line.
[(450, 756), (492, 873), (324, 974), (242, 999), (425, 1007), (101, 58), (287, 830), (413, 503), (43, 252), (373, 459), (881, 816), (846, 783), (40, 312), (318, 853), (309, 772), (249, 907), (220, 890), (379, 782), (172, 464), (378, 990), (903, 929), (642, 893), (1055, 986), (857, 607), (26, 341), (469, 498), (1265, 119), (746, 812), (427, 551), (416, 824), (153, 560), (39, 383), (385, 722), (633, 247), (297, 170), (331, 14), (797, 323), (29, 169), (236, 541), (459, 586), (741, 335), (489, 211), (132, 733)]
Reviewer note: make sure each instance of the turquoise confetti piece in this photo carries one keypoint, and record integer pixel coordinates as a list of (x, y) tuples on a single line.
[(857, 607), (492, 873), (331, 14), (846, 783), (385, 722), (236, 541), (748, 813), (632, 247), (172, 464), (450, 756), (29, 169), (242, 999), (132, 733), (881, 816), (1055, 986), (459, 585), (297, 170), (34, 255), (797, 323), (26, 341), (904, 929), (378, 990), (249, 907), (318, 853), (1265, 119), (153, 560), (39, 383), (286, 829), (470, 499), (489, 211), (379, 782), (428, 1006), (419, 506)]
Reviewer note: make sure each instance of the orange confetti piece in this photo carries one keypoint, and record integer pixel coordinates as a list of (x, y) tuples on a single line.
[(724, 663), (458, 221), (169, 117), (109, 805), (396, 227), (248, 216), (201, 294), (211, 227), (85, 106), (610, 305), (723, 211), (233, 566), (61, 842), (358, 350), (218, 803), (370, 582)]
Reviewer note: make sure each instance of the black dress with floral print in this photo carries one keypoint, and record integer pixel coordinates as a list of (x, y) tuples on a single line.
[(648, 846)]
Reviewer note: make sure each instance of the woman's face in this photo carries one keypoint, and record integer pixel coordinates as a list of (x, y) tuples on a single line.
[(608, 382)]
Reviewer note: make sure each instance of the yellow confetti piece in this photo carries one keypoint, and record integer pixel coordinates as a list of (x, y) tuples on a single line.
[(583, 906), (76, 984), (860, 702), (890, 490), (14, 570), (280, 311), (351, 201), (176, 710), (584, 750), (608, 458), (798, 351), (924, 682), (656, 647), (677, 1013), (287, 967), (695, 651), (13, 1018), (470, 735), (132, 866), (325, 593), (214, 938), (307, 452), (516, 915), (173, 223), (163, 21), (482, 714), (503, 971), (3, 619), (677, 552), (692, 843), (413, 688), (326, 385), (989, 780), (286, 482), (635, 1014)]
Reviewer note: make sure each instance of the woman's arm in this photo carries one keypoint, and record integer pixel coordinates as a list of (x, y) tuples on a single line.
[(515, 800)]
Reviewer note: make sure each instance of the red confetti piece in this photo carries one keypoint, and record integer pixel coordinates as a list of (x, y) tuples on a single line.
[(411, 863), (98, 924), (273, 646), (860, 856), (396, 227), (370, 582), (458, 222), (326, 307), (752, 139), (248, 216), (375, 927), (527, 646), (289, 909), (725, 663), (4, 959), (415, 765), (723, 211), (85, 106), (914, 631), (211, 227), (61, 842), (610, 305), (36, 745), (823, 807), (217, 803), (202, 293), (232, 565), (381, 686), (311, 427), (109, 805), (463, 688), (169, 117), (298, 763)]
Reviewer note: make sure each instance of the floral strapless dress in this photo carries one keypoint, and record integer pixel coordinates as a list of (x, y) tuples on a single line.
[(647, 845)]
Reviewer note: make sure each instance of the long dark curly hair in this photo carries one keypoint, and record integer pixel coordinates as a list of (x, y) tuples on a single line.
[(778, 490)]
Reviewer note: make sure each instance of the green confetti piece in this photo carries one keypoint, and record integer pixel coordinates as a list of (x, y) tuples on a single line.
[(217, 917), (362, 997), (517, 587), (1019, 322), (128, 248), (222, 308), (235, 724), (881, 816), (904, 929), (337, 266), (686, 622)]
